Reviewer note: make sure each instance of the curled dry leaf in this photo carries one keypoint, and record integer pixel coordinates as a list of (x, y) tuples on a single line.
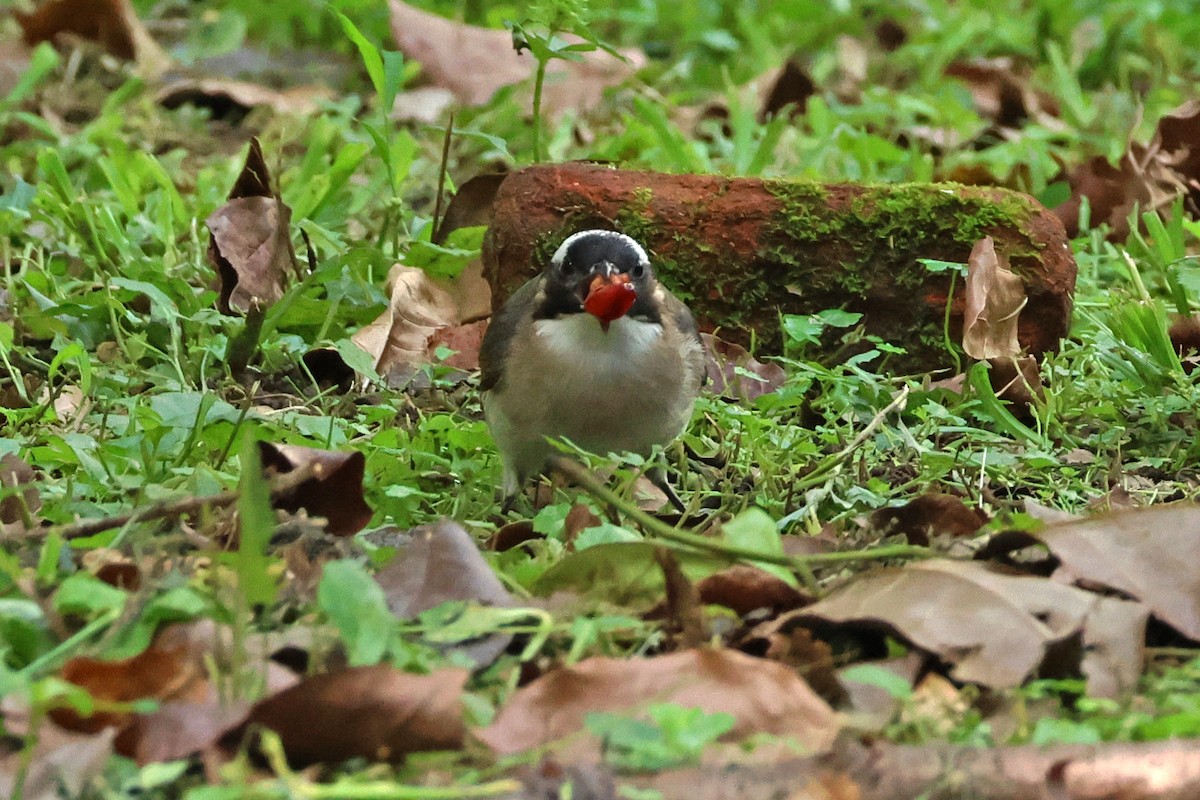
[(762, 697), (418, 306), (994, 299), (222, 95), (727, 364), (335, 491), (938, 605), (378, 713), (249, 243), (474, 62), (1001, 91), (111, 23)]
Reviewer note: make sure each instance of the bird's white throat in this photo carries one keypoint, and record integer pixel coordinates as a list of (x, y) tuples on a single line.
[(579, 336)]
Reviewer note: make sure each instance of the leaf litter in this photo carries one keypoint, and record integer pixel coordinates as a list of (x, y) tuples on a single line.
[(1089, 620)]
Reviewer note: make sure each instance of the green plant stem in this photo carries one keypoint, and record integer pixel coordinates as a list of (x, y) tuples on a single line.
[(801, 564), (49, 659), (818, 474), (538, 82)]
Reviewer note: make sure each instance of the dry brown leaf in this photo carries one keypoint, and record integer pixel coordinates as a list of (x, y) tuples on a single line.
[(335, 491), (249, 243), (725, 363), (111, 23), (378, 713), (991, 628), (994, 299), (21, 500), (1145, 553), (931, 514), (62, 764), (418, 306), (474, 62), (1001, 91), (744, 588), (762, 696), (222, 93), (471, 205), (161, 673), (789, 86), (442, 563)]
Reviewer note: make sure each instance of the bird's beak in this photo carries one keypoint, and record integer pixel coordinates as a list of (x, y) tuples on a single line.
[(610, 295)]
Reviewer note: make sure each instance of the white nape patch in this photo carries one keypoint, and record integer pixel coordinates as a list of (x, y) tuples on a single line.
[(561, 252), (578, 339)]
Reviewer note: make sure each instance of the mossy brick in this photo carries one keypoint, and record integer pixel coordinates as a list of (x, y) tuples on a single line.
[(743, 251)]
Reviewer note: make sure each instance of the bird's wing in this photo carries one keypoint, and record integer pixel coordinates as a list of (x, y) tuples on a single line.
[(686, 324), (501, 331)]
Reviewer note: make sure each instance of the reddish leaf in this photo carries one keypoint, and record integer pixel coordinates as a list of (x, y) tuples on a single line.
[(378, 713), (762, 696), (994, 299), (61, 764), (158, 673), (111, 23), (335, 491)]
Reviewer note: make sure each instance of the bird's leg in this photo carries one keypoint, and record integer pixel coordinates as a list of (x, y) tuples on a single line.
[(657, 475)]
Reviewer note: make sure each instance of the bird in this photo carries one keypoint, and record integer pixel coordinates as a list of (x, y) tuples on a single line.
[(595, 350)]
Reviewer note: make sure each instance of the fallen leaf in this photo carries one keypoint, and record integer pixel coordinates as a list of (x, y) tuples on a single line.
[(335, 491), (160, 673), (377, 712), (789, 86), (1018, 381), (442, 563), (474, 62), (762, 696), (744, 589), (223, 95), (21, 500), (994, 299), (471, 205), (786, 640), (727, 365), (249, 243), (61, 764), (1144, 553), (419, 305), (931, 514), (1001, 91), (111, 23), (991, 628)]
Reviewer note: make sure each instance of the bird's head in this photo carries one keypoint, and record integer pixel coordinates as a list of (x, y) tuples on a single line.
[(603, 273)]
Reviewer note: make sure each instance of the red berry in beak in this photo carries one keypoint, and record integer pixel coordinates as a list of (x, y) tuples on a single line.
[(609, 298)]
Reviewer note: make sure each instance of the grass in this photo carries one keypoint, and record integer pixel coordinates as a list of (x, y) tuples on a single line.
[(113, 357)]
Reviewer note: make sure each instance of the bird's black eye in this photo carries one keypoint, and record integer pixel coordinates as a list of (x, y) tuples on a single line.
[(638, 271)]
